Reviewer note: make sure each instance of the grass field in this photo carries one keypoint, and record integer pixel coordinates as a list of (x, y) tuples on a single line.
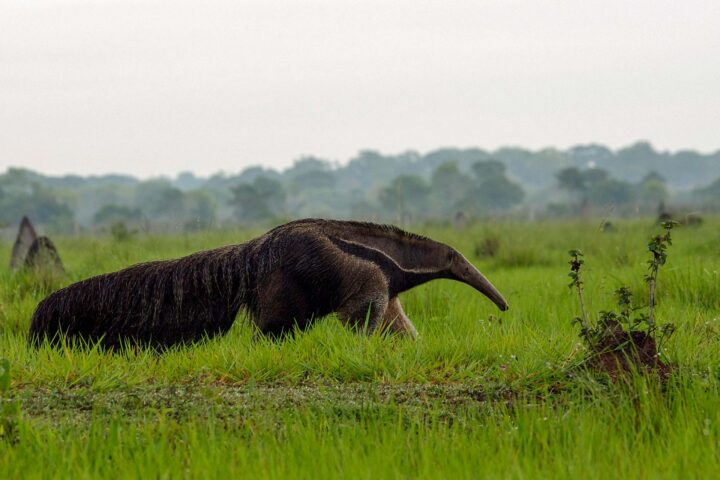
[(480, 394)]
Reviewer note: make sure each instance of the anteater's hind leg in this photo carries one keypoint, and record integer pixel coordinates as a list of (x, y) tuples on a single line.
[(283, 306), (396, 321), (367, 302)]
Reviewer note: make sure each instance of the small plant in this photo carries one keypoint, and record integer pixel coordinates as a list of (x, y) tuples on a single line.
[(9, 409), (489, 247), (120, 232), (4, 376), (658, 247), (576, 262), (629, 337)]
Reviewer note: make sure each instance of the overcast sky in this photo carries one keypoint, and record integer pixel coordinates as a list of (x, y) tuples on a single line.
[(154, 87)]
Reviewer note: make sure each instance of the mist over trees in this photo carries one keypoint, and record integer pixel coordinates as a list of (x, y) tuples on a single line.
[(404, 188)]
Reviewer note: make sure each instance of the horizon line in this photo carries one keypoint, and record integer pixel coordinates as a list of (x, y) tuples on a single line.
[(335, 164)]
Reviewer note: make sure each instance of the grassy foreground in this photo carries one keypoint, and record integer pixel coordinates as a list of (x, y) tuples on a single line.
[(481, 394)]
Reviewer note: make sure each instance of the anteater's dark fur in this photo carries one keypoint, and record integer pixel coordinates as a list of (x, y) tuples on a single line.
[(291, 275)]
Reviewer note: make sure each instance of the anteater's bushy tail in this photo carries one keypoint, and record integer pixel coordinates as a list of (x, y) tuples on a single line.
[(157, 303)]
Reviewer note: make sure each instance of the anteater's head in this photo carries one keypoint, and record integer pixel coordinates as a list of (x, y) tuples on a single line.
[(460, 269)]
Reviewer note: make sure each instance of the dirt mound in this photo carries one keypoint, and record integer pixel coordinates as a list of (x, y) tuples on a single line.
[(37, 253), (617, 352), (25, 238), (43, 255)]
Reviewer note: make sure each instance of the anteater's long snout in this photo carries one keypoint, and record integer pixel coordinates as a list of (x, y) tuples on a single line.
[(466, 272)]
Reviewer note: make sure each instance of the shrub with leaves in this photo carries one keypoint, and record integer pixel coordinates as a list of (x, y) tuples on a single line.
[(628, 338)]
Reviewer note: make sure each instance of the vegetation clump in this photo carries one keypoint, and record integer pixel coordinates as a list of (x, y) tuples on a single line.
[(9, 408), (488, 247), (629, 339), (120, 232)]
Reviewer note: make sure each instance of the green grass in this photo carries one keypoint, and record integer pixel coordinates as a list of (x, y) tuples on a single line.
[(480, 394)]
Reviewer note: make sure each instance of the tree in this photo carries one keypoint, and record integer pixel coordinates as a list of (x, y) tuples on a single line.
[(611, 191), (260, 200), (250, 174), (42, 205), (160, 200), (493, 190), (308, 164), (370, 168), (497, 194), (653, 175), (653, 189), (188, 181), (449, 187), (362, 209), (488, 169), (709, 195), (313, 179), (116, 213), (406, 197), (571, 179), (200, 210), (593, 176)]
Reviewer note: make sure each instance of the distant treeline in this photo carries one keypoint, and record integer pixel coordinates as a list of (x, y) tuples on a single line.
[(443, 185)]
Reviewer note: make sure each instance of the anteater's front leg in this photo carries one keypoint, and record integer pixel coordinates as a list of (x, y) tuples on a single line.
[(396, 321), (366, 300)]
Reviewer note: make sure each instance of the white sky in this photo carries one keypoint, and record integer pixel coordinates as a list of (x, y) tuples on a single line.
[(154, 87)]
